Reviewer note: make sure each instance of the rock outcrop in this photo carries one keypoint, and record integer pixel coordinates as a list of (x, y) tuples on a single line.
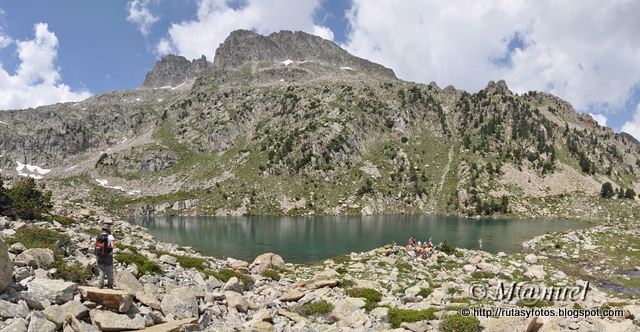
[(244, 47), (6, 267), (173, 70)]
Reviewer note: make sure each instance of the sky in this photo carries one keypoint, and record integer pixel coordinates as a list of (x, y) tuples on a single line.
[(584, 51)]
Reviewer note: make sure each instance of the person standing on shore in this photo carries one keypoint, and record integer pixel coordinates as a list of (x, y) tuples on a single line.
[(105, 243)]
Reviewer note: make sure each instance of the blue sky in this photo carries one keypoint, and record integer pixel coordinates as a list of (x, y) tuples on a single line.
[(587, 52)]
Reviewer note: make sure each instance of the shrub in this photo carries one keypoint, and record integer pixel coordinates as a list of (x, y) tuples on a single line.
[(315, 308), (346, 283), (341, 270), (447, 248), (371, 296), (70, 272), (398, 316), (341, 259), (28, 201), (143, 263), (459, 323), (271, 274), (607, 190), (630, 194), (425, 292), (404, 267), (37, 237), (225, 274)]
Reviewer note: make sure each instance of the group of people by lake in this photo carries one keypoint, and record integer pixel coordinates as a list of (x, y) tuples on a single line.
[(419, 249)]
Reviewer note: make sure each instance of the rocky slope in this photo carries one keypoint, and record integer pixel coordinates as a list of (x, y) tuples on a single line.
[(292, 124), (164, 287)]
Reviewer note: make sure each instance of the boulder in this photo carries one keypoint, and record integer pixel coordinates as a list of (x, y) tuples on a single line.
[(181, 303), (126, 281), (149, 300), (58, 313), (113, 299), (111, 321), (292, 316), (80, 326), (17, 325), (37, 258), (266, 261), (236, 301), (168, 259), (531, 258), (39, 323), (172, 326), (6, 267), (324, 283), (535, 272), (17, 248), (234, 284), (291, 296), (468, 268), (55, 291), (12, 310)]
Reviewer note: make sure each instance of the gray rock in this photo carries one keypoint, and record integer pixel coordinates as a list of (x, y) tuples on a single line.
[(16, 325), (531, 258), (126, 281), (113, 299), (181, 303), (37, 258), (236, 301), (12, 310), (17, 248), (234, 284), (55, 291), (173, 70), (111, 321), (266, 261), (6, 267), (39, 323), (58, 313)]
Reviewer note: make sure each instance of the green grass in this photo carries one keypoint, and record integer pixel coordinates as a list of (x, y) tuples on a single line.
[(225, 274), (482, 275), (315, 308), (425, 292), (346, 283), (271, 274), (70, 272), (404, 267), (36, 237), (187, 262), (371, 296), (459, 323), (341, 259), (143, 263), (398, 316)]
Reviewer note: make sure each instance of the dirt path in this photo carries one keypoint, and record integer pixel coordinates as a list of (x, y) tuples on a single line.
[(437, 191)]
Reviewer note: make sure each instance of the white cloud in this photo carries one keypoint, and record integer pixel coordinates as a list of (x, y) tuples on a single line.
[(600, 119), (140, 15), (5, 40), (36, 81), (585, 51), (215, 19), (633, 127)]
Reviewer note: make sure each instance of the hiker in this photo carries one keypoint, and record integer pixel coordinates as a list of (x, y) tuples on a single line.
[(105, 243)]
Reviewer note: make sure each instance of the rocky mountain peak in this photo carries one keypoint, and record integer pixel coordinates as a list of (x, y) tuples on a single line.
[(244, 47), (499, 86), (173, 70)]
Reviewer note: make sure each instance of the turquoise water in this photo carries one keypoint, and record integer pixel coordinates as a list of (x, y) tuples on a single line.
[(311, 239)]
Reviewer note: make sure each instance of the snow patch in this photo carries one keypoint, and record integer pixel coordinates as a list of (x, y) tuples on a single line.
[(105, 183), (137, 99), (282, 80), (124, 140), (32, 171), (287, 62), (4, 123), (159, 99), (179, 85), (70, 168), (164, 87), (346, 68)]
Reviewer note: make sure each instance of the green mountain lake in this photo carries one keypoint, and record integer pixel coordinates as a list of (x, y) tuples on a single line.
[(315, 238)]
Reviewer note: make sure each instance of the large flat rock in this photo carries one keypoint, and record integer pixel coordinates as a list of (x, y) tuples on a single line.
[(111, 321), (113, 299), (172, 326)]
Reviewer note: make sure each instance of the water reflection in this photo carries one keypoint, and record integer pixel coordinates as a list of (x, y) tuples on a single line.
[(307, 239)]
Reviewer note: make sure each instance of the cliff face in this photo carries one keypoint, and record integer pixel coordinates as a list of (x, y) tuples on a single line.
[(244, 47)]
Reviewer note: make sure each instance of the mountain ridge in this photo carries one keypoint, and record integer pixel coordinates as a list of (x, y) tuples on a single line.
[(263, 137)]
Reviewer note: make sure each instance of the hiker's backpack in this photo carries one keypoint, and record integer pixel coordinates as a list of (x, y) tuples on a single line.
[(102, 246)]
